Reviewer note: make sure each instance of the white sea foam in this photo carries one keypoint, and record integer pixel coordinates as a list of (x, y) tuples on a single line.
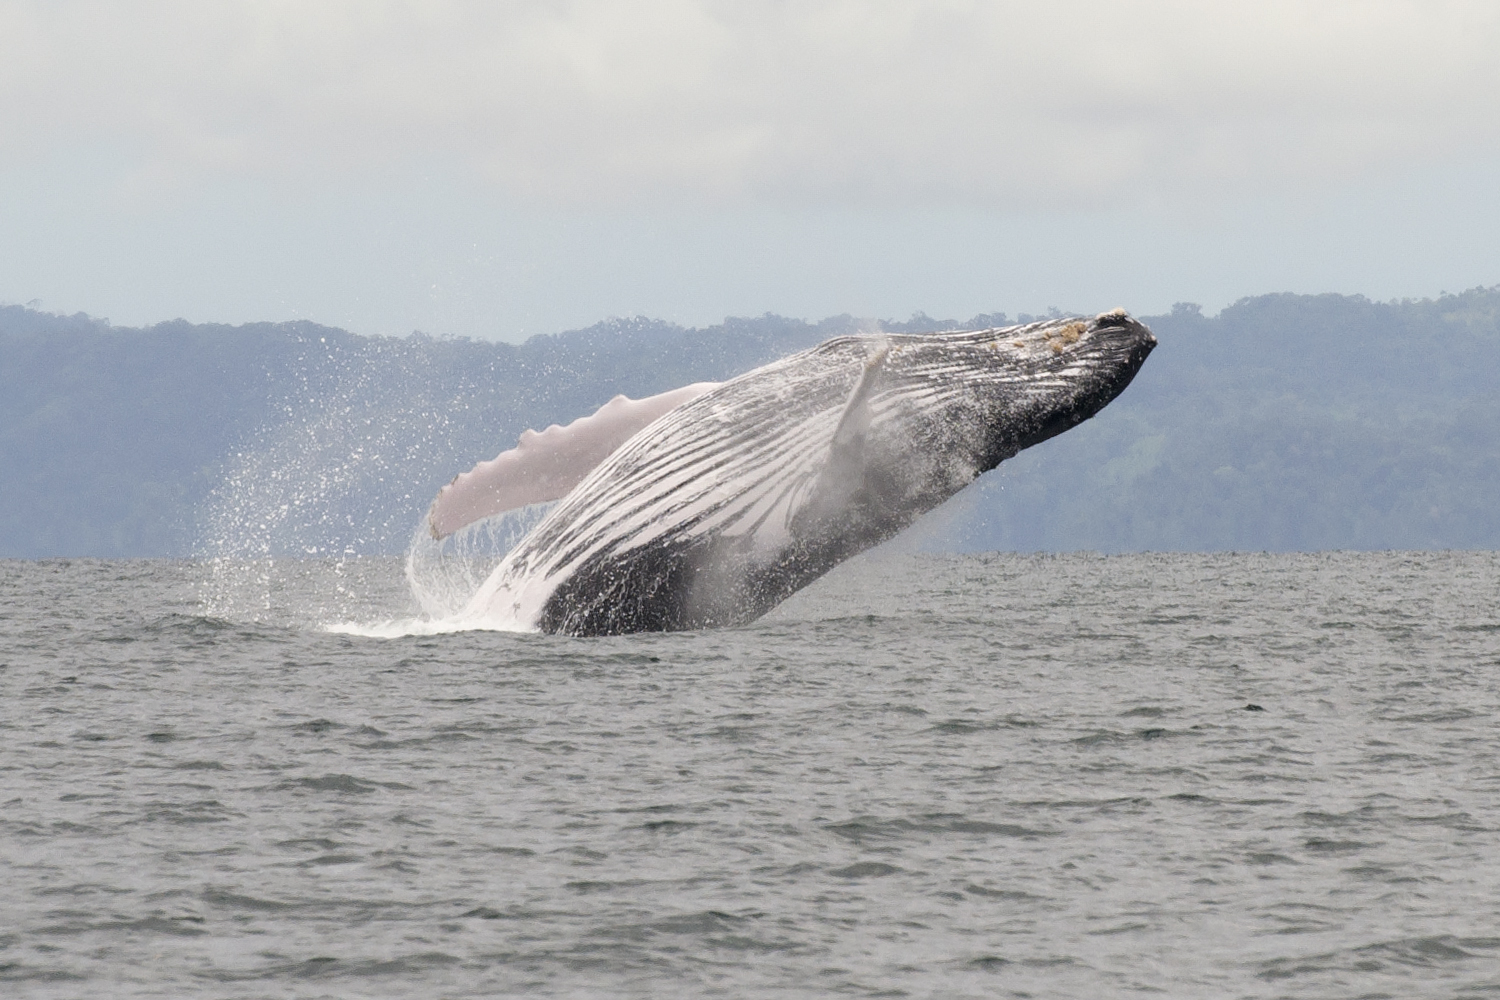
[(444, 574), (403, 627)]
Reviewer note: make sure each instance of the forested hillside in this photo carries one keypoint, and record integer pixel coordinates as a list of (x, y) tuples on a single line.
[(119, 442), (1284, 422)]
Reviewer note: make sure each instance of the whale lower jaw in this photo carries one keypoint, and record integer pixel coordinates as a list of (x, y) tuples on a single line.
[(721, 509)]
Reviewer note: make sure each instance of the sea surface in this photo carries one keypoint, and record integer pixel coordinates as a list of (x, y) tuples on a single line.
[(980, 776)]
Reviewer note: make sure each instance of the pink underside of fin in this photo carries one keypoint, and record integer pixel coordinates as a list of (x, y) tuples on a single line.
[(545, 465)]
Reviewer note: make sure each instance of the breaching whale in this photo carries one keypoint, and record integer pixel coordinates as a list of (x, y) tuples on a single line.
[(710, 505)]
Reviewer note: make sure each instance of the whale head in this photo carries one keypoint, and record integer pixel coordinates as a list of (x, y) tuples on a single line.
[(1047, 377)]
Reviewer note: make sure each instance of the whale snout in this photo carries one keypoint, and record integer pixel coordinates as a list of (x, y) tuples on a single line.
[(1088, 364), (1123, 341), (1121, 325)]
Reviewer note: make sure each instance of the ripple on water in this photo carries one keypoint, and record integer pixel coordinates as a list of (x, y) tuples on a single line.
[(1220, 775)]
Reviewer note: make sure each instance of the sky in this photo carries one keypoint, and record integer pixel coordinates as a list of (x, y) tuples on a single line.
[(499, 170)]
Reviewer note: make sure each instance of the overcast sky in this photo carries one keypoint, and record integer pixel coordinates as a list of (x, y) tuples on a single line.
[(504, 169)]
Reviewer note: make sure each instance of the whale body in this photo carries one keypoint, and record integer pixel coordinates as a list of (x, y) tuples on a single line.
[(719, 509)]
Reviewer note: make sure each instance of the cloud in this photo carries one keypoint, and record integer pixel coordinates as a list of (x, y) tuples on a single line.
[(599, 103)]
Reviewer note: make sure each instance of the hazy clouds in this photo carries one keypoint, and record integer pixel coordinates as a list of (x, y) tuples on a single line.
[(604, 102), (496, 168)]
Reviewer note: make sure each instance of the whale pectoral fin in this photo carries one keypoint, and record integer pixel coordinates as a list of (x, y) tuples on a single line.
[(545, 465)]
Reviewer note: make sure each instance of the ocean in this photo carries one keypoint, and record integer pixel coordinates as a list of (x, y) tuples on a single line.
[(1191, 775)]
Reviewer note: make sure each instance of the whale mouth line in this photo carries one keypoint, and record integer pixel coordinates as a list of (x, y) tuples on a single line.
[(712, 504)]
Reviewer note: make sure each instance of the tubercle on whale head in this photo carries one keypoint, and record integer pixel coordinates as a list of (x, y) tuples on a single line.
[(1065, 334)]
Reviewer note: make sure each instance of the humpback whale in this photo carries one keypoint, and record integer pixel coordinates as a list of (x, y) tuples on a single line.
[(710, 505)]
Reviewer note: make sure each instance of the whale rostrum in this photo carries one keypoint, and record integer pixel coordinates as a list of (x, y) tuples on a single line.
[(738, 494)]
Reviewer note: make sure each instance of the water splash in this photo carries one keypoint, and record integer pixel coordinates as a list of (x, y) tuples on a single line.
[(301, 593), (308, 513), (443, 574)]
